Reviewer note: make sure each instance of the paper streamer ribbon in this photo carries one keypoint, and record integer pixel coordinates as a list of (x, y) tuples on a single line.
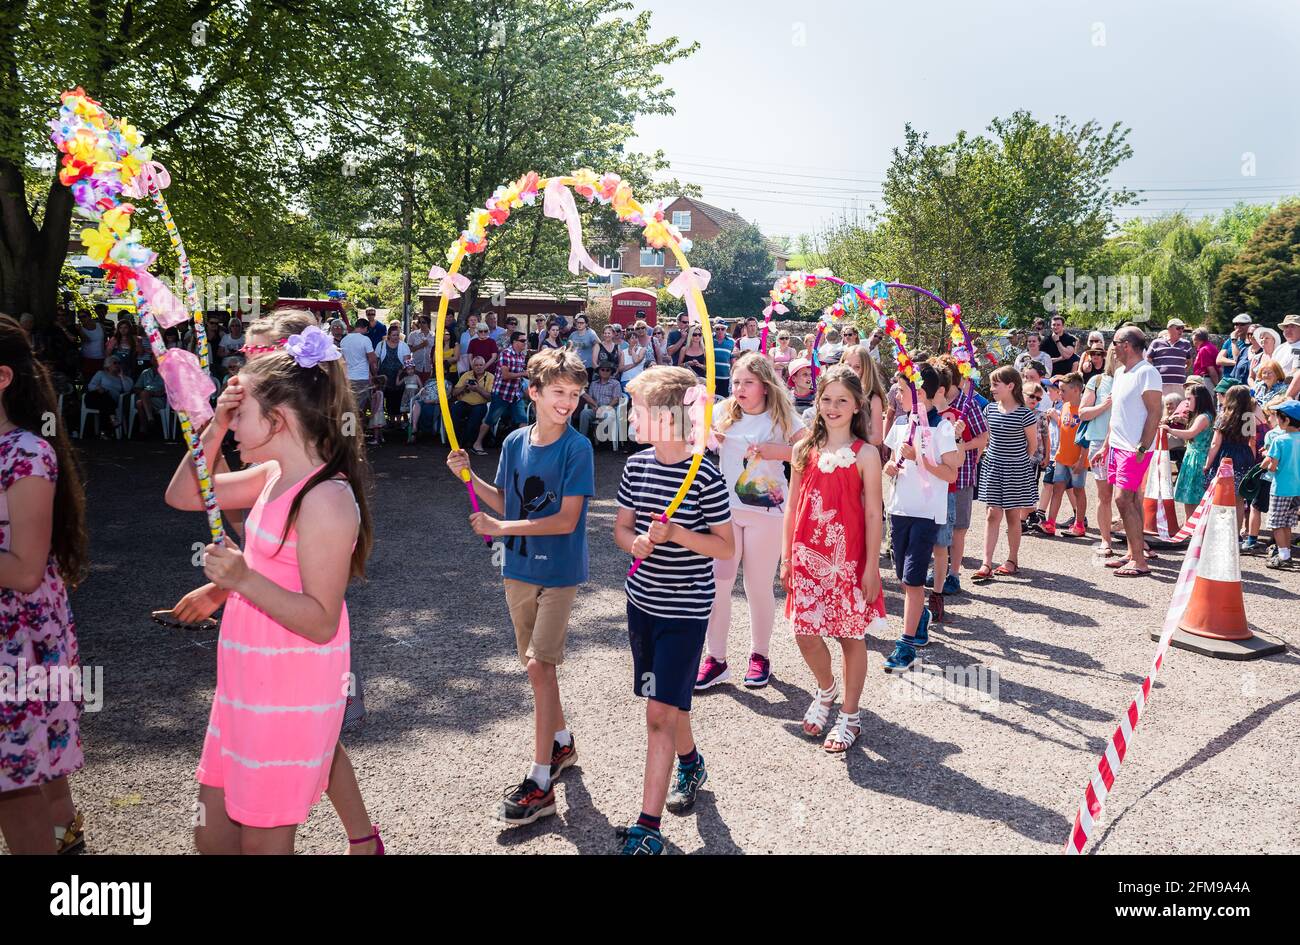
[(691, 283), (163, 304), (704, 437), (1096, 791), (450, 284), (189, 387), (558, 204), (151, 178)]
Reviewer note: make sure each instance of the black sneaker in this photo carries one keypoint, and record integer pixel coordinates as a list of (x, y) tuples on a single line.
[(526, 803), (562, 756)]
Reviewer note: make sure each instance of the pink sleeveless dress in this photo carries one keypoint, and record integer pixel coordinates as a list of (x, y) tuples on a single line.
[(280, 697)]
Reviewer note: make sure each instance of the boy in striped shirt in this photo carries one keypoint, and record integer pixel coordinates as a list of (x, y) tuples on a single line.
[(670, 594)]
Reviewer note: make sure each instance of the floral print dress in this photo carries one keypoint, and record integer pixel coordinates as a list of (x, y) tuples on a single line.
[(829, 553), (40, 737)]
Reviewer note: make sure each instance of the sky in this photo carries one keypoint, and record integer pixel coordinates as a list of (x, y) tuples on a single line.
[(788, 112)]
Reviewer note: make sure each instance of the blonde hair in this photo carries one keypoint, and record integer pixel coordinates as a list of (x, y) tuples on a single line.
[(779, 404), (663, 386), (282, 323), (872, 377), (555, 364), (817, 437)]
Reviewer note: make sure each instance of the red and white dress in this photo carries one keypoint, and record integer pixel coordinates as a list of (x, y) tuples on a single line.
[(829, 554)]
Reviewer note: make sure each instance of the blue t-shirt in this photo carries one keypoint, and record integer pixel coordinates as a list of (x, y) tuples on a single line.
[(535, 481), (1286, 478), (722, 361)]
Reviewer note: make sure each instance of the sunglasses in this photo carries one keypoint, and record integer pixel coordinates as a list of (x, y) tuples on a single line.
[(1033, 397)]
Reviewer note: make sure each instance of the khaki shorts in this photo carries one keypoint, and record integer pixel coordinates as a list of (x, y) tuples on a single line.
[(541, 619)]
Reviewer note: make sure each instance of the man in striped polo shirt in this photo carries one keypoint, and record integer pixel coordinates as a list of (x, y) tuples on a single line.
[(1172, 357), (670, 592)]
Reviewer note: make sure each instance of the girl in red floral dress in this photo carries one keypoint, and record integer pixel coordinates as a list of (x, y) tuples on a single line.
[(830, 551)]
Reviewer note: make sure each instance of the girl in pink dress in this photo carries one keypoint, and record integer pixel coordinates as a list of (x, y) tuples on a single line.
[(42, 553), (831, 548), (283, 660)]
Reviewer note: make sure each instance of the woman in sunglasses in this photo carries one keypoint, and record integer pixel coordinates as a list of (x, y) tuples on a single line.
[(692, 353)]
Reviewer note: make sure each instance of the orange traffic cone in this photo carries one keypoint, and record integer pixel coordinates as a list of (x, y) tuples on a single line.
[(1159, 511), (1216, 608)]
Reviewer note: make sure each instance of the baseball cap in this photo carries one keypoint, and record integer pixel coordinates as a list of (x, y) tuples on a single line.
[(1225, 385), (1291, 408), (1176, 322), (1242, 319), (797, 365)]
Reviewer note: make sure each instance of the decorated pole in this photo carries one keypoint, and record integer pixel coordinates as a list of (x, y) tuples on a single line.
[(103, 159)]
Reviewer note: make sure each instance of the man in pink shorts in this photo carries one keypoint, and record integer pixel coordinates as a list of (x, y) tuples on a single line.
[(1134, 418)]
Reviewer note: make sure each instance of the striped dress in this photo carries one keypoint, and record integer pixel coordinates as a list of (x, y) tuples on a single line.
[(674, 581), (1007, 477), (280, 697)]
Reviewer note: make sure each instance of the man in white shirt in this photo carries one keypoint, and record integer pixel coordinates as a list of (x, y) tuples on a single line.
[(1288, 352), (1136, 402), (359, 356)]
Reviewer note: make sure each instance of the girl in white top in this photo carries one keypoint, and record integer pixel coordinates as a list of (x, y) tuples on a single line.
[(756, 427)]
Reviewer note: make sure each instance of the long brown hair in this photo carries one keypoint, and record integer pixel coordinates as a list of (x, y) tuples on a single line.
[(839, 374), (30, 402), (1009, 375), (321, 398), (1238, 405)]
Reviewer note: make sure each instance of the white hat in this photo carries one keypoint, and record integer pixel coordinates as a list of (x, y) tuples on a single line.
[(796, 365), (1242, 319), (1176, 322)]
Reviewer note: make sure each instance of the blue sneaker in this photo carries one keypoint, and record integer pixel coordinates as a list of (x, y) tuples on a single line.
[(951, 585), (904, 655), (922, 636), (686, 786), (641, 841)]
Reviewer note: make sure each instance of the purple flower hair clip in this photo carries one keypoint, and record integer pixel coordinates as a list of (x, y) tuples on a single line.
[(312, 347)]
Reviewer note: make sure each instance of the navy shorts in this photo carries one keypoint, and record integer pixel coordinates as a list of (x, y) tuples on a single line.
[(914, 541), (666, 655)]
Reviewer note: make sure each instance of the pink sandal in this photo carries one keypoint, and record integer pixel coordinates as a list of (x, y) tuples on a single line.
[(379, 841)]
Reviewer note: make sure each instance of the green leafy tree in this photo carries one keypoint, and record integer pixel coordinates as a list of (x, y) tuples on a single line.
[(1264, 279), (229, 95), (739, 261)]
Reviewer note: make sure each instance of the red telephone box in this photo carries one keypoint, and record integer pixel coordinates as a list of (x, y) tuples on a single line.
[(631, 304)]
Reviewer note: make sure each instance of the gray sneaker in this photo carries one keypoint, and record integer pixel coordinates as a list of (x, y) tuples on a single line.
[(686, 786)]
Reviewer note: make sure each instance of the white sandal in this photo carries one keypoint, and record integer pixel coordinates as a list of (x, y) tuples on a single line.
[(841, 734), (820, 711)]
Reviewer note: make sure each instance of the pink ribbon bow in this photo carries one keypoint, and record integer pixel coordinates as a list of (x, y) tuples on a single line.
[(775, 307), (452, 284), (163, 304), (558, 204), (189, 387), (694, 401), (151, 176), (690, 278)]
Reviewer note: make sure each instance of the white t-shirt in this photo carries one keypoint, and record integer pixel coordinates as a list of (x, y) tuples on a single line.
[(757, 485), (421, 357), (918, 494), (1128, 415), (1287, 356), (749, 344), (355, 347), (92, 342)]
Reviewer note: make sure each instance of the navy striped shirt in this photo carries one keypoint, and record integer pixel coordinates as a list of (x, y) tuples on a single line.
[(674, 581)]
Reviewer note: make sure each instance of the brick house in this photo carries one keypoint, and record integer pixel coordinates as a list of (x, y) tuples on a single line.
[(698, 221)]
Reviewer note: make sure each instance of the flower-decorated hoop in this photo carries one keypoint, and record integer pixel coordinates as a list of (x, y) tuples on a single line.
[(558, 203)]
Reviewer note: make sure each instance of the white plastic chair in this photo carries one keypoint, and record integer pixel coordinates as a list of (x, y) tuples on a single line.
[(87, 412), (168, 418)]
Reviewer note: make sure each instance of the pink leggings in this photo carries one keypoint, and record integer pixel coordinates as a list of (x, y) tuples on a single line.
[(758, 545)]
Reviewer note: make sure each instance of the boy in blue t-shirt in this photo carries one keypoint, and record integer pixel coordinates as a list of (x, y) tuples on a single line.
[(670, 591), (545, 476), (1283, 461)]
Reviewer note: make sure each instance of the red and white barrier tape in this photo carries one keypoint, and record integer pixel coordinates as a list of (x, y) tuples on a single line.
[(1094, 794), (1190, 525)]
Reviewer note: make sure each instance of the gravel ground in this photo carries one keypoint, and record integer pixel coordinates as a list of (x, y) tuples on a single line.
[(449, 724)]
